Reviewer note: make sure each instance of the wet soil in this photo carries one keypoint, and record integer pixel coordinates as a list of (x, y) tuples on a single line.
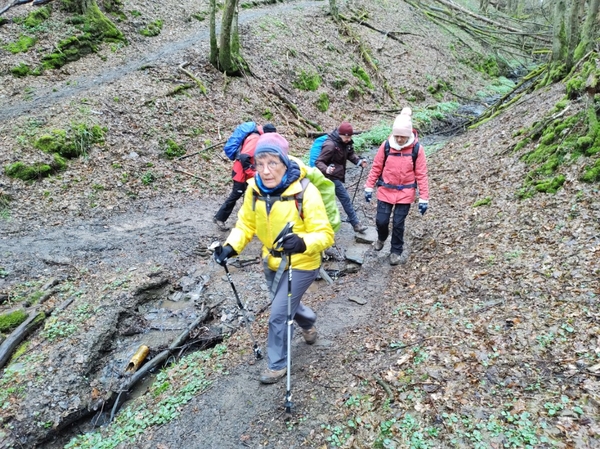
[(483, 286)]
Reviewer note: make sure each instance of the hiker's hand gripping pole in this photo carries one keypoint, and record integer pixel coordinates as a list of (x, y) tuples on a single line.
[(255, 348)]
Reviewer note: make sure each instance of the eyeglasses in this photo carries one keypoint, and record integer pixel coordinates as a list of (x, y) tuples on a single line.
[(271, 164)]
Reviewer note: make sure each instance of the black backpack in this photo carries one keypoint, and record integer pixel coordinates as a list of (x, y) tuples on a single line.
[(386, 152), (414, 154)]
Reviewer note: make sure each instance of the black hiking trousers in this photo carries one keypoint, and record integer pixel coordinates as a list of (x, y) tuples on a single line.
[(236, 193), (382, 222)]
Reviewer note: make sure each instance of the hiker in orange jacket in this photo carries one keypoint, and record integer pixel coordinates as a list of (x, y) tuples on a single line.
[(243, 170), (397, 179)]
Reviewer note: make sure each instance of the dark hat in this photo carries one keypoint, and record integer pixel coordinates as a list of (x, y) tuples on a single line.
[(269, 128), (345, 129)]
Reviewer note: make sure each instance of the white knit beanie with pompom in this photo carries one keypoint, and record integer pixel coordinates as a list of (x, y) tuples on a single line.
[(403, 124)]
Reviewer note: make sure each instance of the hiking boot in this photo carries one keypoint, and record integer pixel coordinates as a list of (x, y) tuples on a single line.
[(270, 376), (359, 227), (396, 259), (378, 245), (310, 335), (221, 225)]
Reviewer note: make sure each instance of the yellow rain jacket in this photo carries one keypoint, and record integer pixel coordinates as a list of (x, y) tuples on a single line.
[(315, 229)]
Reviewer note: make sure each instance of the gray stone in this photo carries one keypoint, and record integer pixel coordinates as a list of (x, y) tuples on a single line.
[(369, 236), (356, 254), (358, 300)]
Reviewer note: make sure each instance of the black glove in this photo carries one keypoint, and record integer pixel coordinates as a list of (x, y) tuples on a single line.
[(368, 196), (292, 244), (222, 253), (246, 161)]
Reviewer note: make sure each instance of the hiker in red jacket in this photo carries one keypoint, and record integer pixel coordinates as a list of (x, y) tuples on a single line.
[(243, 169), (397, 179)]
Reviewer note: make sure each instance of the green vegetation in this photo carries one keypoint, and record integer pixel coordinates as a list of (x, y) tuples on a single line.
[(437, 89), (22, 45), (62, 145), (4, 215), (354, 93), (307, 81), (267, 115), (172, 149), (561, 142), (21, 70), (10, 321), (200, 16), (37, 16), (424, 117), (94, 28), (339, 83), (59, 326), (148, 178), (153, 29), (72, 142), (323, 102), (173, 387), (372, 137), (362, 75), (483, 202), (499, 86), (30, 172)]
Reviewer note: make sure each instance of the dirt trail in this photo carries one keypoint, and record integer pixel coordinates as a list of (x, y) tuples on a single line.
[(169, 53)]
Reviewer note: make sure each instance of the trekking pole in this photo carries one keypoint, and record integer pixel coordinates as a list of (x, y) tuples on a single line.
[(288, 393), (358, 183), (255, 348), (278, 241)]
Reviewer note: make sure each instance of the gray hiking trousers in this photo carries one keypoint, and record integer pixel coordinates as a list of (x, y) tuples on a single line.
[(304, 316)]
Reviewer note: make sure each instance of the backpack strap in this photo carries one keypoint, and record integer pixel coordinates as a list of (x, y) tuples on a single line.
[(386, 151), (269, 200)]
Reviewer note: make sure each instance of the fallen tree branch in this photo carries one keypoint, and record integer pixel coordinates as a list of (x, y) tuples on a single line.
[(202, 150), (9, 345), (385, 387), (292, 107), (189, 174), (192, 76)]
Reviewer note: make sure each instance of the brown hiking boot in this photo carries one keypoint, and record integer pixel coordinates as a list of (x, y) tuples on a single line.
[(378, 245), (310, 335), (221, 225), (270, 376), (359, 227)]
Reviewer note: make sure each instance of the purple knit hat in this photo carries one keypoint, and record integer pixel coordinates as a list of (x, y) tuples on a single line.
[(273, 143)]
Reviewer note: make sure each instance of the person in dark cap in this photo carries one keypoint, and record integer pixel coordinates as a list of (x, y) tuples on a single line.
[(243, 169), (337, 149)]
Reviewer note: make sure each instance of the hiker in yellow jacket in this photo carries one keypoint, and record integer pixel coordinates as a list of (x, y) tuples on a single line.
[(268, 207)]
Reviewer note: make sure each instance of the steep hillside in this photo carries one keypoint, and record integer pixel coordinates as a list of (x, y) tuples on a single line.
[(488, 337)]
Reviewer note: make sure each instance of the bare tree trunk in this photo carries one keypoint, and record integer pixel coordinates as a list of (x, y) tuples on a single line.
[(333, 9), (559, 32), (226, 61), (574, 31), (214, 47), (589, 33)]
